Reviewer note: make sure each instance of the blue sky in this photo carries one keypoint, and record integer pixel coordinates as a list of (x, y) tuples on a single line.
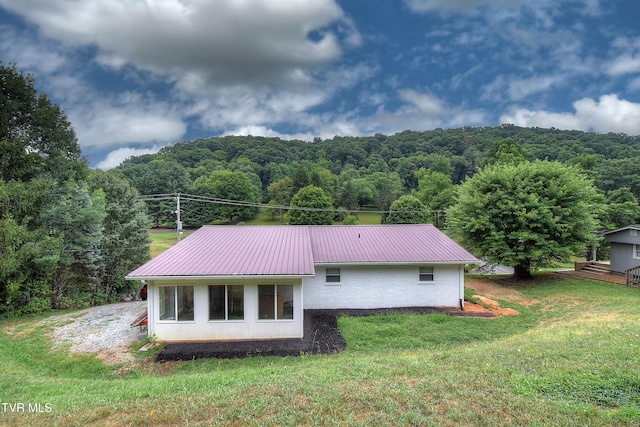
[(136, 75)]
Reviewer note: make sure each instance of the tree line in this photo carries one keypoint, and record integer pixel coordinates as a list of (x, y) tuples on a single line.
[(416, 170), (68, 234)]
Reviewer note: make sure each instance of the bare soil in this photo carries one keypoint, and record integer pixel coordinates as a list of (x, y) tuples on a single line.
[(493, 289)]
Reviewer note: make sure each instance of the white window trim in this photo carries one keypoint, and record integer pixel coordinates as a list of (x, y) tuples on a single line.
[(636, 251), (226, 306), (275, 304), (176, 305), (427, 282), (338, 275)]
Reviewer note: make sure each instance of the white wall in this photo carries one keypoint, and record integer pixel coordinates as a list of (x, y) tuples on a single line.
[(384, 287), (201, 328)]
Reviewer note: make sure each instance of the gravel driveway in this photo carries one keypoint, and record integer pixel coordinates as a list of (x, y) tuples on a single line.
[(104, 330)]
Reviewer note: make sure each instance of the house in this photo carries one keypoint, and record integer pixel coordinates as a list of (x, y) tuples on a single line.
[(625, 248), (254, 282)]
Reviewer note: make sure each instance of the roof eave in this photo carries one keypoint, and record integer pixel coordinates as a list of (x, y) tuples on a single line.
[(388, 263), (628, 227), (220, 277)]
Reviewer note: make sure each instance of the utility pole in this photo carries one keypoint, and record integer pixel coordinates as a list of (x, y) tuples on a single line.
[(178, 222)]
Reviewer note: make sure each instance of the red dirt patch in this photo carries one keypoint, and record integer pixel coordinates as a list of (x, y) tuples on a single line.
[(494, 290), (488, 292)]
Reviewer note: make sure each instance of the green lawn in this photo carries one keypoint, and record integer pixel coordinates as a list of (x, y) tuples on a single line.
[(163, 238), (364, 217), (570, 358)]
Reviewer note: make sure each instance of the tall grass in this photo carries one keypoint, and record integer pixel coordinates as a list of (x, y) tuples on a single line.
[(570, 359)]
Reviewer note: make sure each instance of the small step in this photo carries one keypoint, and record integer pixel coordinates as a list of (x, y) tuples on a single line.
[(600, 269)]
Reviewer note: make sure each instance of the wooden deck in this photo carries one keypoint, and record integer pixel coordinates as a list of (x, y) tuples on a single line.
[(611, 278)]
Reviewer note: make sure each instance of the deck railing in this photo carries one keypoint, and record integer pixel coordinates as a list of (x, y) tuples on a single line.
[(633, 276)]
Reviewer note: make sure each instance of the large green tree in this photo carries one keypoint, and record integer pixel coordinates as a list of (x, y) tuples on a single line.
[(281, 193), (59, 233), (29, 255), (408, 210), (36, 138), (435, 189), (78, 220), (314, 198), (506, 151), (125, 236), (387, 187), (232, 186), (525, 215)]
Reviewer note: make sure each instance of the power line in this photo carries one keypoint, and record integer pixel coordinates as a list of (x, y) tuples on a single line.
[(215, 200)]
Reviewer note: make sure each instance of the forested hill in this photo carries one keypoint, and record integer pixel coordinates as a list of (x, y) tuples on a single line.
[(371, 171), (406, 152), (465, 147)]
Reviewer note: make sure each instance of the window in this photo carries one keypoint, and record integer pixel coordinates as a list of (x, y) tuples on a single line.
[(633, 232), (636, 251), (226, 302), (176, 303), (333, 275), (426, 274), (275, 302)]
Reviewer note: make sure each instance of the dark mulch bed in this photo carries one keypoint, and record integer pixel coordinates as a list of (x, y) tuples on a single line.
[(321, 336)]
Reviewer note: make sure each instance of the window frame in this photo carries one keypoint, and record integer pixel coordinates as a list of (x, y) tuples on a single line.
[(336, 273), (227, 296), (275, 317), (636, 251), (422, 272), (178, 297)]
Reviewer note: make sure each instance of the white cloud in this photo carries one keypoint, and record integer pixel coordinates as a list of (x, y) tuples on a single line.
[(223, 41), (426, 103), (627, 60), (609, 114), (116, 157), (36, 57), (516, 89), (130, 118), (268, 132), (624, 64), (420, 111)]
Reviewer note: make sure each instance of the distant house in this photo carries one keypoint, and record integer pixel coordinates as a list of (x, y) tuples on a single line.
[(625, 248), (254, 282)]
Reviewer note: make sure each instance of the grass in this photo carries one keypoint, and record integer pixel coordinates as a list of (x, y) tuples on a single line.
[(571, 360), (364, 218), (163, 238)]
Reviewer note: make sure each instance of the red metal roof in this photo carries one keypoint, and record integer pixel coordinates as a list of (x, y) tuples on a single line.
[(398, 243), (293, 250)]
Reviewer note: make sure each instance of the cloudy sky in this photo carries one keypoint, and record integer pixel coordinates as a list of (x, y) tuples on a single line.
[(135, 75)]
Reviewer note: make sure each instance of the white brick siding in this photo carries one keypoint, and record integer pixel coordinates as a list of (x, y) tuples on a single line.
[(380, 286)]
